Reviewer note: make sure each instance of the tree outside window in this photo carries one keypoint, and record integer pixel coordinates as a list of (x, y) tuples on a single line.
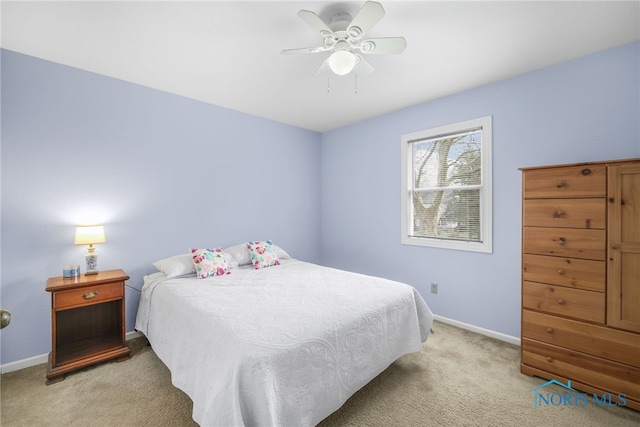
[(446, 201)]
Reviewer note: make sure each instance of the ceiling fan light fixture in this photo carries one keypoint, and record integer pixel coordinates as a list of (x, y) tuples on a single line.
[(342, 62)]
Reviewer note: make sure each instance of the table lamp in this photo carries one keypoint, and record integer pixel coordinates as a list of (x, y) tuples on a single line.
[(88, 235)]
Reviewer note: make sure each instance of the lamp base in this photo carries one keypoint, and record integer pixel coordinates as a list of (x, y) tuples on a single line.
[(92, 261)]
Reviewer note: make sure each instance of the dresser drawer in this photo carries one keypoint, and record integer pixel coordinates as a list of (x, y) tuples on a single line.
[(576, 303), (575, 181), (612, 376), (565, 242), (608, 343), (569, 272), (570, 213), (87, 295)]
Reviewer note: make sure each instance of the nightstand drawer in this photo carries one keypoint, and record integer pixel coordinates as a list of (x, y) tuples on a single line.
[(612, 344), (576, 303), (576, 181), (572, 273), (570, 213), (565, 242), (87, 295), (594, 371)]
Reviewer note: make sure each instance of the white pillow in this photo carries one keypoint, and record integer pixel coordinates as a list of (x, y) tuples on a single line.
[(181, 265), (231, 260), (281, 253), (241, 254), (178, 265)]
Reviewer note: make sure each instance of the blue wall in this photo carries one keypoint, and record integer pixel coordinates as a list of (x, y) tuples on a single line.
[(165, 173), (584, 110), (162, 172)]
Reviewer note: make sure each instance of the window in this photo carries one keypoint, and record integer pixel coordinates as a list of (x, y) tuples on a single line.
[(446, 187)]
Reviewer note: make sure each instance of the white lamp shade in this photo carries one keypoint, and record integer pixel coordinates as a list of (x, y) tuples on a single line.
[(88, 235), (342, 62)]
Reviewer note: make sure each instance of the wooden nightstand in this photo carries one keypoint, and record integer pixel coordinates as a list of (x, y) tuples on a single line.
[(87, 322)]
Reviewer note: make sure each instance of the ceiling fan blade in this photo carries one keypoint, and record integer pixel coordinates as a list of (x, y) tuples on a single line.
[(384, 46), (363, 68), (368, 16), (303, 50), (322, 71), (315, 22)]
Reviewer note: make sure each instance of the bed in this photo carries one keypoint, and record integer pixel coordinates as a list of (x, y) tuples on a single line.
[(279, 346)]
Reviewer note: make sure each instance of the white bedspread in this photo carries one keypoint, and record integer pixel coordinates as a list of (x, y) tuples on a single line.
[(281, 346)]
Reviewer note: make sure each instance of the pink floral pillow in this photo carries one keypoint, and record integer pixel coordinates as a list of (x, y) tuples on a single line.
[(210, 262), (262, 254)]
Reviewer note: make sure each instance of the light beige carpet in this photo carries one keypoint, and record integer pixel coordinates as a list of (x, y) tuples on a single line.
[(459, 379)]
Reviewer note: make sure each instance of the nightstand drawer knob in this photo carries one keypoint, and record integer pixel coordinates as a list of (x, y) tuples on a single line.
[(550, 330), (90, 295), (561, 301), (561, 272), (549, 359), (562, 241)]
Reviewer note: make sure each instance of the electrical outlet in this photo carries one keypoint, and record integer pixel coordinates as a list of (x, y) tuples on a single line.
[(434, 288)]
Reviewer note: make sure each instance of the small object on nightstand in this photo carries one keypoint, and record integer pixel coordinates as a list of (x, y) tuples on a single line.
[(88, 235), (70, 271), (87, 322)]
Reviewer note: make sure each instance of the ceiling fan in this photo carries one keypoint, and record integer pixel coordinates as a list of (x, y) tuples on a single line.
[(343, 36)]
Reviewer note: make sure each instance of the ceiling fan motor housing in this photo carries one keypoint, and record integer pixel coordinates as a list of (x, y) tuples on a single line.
[(340, 21)]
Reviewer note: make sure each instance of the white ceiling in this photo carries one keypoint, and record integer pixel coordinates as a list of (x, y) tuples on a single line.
[(228, 53)]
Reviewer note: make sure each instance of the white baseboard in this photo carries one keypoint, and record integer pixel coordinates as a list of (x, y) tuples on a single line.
[(38, 360), (24, 363), (482, 331)]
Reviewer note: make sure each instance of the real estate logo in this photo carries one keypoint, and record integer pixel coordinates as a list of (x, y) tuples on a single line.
[(571, 397)]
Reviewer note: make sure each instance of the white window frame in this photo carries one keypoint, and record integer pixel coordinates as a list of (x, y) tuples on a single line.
[(486, 204)]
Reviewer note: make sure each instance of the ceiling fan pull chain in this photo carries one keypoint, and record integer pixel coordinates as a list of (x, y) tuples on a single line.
[(355, 85), (328, 84)]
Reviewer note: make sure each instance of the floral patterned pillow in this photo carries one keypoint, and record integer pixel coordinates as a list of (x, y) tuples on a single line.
[(210, 262), (262, 254)]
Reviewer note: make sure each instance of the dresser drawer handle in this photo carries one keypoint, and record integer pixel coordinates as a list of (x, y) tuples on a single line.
[(549, 359), (585, 172), (561, 301), (562, 184), (90, 295), (558, 213), (561, 272), (550, 330), (562, 241)]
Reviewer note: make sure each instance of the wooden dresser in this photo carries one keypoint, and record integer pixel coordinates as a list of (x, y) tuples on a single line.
[(581, 277)]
